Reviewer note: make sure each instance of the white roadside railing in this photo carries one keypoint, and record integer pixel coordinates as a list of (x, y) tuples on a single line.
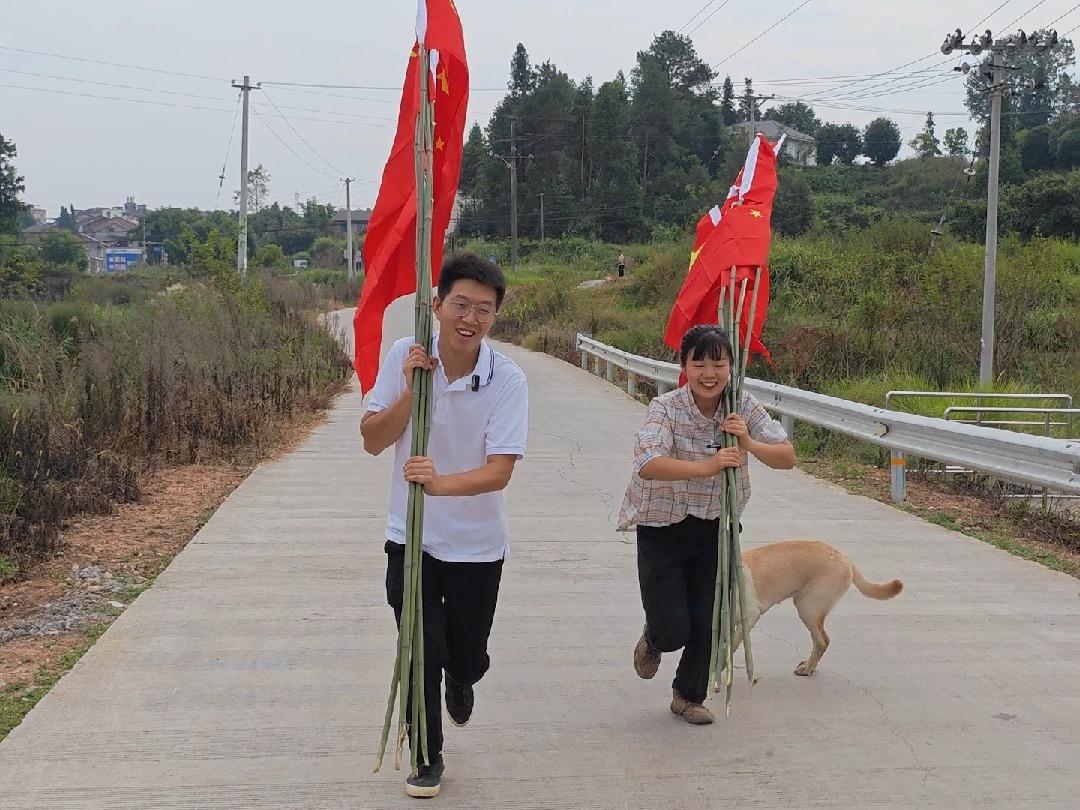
[(1038, 461)]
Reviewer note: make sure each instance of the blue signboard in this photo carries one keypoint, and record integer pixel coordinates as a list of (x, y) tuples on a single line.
[(119, 260)]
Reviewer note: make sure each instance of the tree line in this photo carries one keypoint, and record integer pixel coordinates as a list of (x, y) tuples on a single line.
[(643, 154)]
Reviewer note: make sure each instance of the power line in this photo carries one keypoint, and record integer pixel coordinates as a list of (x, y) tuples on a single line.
[(286, 145), (228, 151), (711, 15), (763, 33), (314, 151), (699, 13), (1018, 19), (112, 64), (182, 106), (988, 16), (115, 98), (185, 95), (1066, 14)]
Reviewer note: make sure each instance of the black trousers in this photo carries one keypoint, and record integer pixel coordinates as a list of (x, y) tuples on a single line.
[(677, 573), (459, 608)]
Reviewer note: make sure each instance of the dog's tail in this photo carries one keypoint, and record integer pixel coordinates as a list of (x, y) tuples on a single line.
[(875, 590)]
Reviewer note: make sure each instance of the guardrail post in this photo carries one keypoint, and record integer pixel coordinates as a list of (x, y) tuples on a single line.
[(584, 360), (899, 476), (596, 367), (631, 383), (661, 388), (788, 424), (610, 372)]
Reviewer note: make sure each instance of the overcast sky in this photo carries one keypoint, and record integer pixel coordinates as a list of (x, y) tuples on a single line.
[(155, 147)]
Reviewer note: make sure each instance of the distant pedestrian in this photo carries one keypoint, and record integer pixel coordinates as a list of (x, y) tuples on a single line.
[(622, 264)]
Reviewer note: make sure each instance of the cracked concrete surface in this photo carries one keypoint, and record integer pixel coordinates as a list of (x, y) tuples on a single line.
[(254, 673)]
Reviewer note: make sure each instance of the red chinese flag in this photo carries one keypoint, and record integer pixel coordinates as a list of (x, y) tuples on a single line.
[(390, 244), (734, 235)]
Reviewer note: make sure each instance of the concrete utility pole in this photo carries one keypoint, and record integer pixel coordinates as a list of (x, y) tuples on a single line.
[(751, 109), (998, 90), (349, 256), (541, 216), (242, 242), (513, 200)]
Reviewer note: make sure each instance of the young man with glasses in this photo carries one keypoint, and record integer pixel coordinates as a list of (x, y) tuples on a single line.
[(479, 424)]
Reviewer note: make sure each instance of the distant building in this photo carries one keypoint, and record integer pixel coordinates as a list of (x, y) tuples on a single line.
[(800, 149), (113, 231), (130, 210), (39, 216), (360, 219), (95, 249)]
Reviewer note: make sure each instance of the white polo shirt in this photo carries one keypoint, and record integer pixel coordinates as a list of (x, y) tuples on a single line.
[(467, 426)]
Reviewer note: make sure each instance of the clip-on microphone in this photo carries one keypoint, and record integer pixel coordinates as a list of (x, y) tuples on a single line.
[(475, 382)]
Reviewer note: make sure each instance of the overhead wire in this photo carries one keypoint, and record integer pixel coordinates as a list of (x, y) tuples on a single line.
[(228, 151), (763, 33), (284, 143), (304, 140), (711, 15), (111, 64)]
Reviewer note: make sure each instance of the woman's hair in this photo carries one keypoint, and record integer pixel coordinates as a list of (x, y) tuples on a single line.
[(705, 341)]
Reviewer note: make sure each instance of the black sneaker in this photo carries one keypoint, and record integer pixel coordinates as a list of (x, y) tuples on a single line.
[(426, 783), (459, 701)]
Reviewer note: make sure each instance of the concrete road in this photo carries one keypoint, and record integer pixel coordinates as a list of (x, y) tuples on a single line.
[(254, 674)]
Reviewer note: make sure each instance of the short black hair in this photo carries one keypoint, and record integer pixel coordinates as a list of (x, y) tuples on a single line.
[(705, 340), (468, 265)]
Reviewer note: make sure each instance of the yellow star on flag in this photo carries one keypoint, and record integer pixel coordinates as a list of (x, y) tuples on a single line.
[(440, 144), (755, 213), (444, 81), (694, 255)]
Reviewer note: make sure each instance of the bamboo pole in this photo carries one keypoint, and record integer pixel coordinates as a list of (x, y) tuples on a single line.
[(407, 686), (730, 612)]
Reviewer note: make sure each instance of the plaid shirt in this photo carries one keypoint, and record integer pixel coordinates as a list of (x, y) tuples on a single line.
[(675, 427)]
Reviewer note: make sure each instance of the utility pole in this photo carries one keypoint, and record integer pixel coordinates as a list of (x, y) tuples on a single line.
[(513, 200), (541, 216), (351, 273), (751, 109), (998, 90), (241, 245)]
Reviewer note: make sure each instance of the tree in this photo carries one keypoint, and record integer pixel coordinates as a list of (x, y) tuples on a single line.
[(1024, 107), (881, 140), (1067, 150), (61, 248), (11, 186), (258, 188), (727, 106), (1036, 149), (838, 142), (522, 77), (472, 159), (746, 99), (926, 144), (66, 220), (797, 116), (956, 142), (684, 68), (793, 209), (271, 257)]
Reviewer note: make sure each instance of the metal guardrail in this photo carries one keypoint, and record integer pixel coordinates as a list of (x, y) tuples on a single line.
[(1034, 460)]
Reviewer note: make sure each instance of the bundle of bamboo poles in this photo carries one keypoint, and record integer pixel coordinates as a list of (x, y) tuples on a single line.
[(409, 663), (730, 619)]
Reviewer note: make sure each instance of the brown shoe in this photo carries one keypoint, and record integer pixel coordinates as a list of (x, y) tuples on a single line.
[(694, 713), (646, 658)]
